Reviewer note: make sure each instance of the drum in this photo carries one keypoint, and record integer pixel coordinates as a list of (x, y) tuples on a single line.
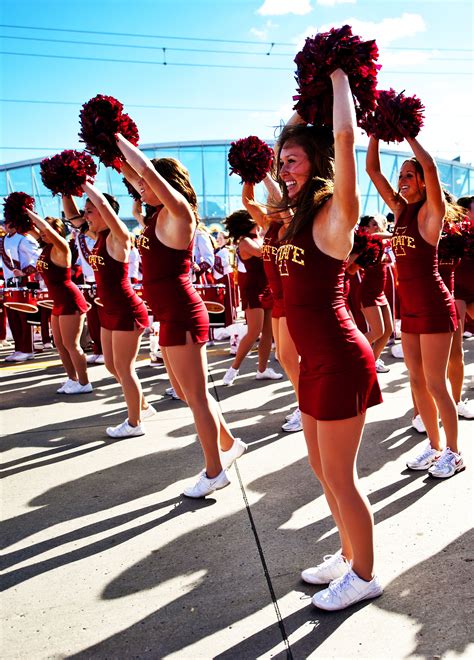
[(43, 299), (93, 295), (138, 288), (34, 319), (86, 290), (20, 299), (213, 296)]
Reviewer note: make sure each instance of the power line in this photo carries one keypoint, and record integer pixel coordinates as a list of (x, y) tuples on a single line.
[(201, 39), (207, 66), (139, 105), (198, 50)]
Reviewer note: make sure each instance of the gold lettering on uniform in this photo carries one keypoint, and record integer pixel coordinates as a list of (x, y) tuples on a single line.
[(298, 254), (143, 242), (400, 242), (95, 260), (286, 253), (41, 265)]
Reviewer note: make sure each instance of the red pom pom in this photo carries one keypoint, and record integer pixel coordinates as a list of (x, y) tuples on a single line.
[(320, 56), (250, 158), (467, 230), (369, 248), (451, 243), (65, 173), (395, 118), (131, 190), (101, 119), (14, 210)]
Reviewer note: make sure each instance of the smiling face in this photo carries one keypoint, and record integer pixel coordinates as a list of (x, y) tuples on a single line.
[(93, 217), (410, 183), (147, 194), (294, 168)]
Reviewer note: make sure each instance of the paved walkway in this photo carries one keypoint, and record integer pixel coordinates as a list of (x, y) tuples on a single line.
[(105, 559)]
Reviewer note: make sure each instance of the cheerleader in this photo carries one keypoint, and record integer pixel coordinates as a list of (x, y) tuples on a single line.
[(338, 381), (255, 294), (122, 314), (427, 308), (223, 273), (285, 346), (69, 310), (166, 246)]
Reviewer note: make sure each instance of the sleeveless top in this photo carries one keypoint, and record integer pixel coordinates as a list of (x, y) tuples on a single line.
[(67, 298), (426, 305)]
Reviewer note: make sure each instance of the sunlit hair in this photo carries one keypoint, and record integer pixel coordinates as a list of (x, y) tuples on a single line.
[(318, 144), (239, 225), (57, 224), (454, 211), (380, 219), (178, 177)]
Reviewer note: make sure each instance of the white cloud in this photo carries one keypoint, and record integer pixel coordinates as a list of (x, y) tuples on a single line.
[(331, 3), (281, 7), (263, 33)]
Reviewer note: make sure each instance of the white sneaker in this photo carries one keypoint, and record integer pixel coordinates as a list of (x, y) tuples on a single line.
[(380, 367), (66, 382), (292, 414), (294, 424), (467, 334), (232, 454), (268, 374), (397, 351), (100, 359), (230, 375), (148, 412), (48, 345), (125, 430), (333, 567), (18, 356), (418, 425), (170, 391), (447, 465), (345, 591), (205, 486), (425, 459), (466, 409), (74, 387), (91, 359)]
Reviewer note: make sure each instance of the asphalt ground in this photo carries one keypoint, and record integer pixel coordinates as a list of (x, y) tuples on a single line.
[(104, 558)]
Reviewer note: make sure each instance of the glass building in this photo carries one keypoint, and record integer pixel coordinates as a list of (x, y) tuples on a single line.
[(218, 193)]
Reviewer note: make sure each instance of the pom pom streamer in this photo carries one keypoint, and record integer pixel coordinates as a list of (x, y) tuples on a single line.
[(14, 210), (250, 158), (395, 118), (65, 173), (467, 230), (451, 243), (369, 248), (323, 54), (101, 119)]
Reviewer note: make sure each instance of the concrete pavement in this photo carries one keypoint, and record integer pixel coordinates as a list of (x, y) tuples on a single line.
[(105, 559)]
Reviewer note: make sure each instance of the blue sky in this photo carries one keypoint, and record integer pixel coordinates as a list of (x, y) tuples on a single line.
[(426, 49)]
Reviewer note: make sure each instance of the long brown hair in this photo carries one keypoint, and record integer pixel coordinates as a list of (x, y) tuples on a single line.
[(318, 144), (178, 177)]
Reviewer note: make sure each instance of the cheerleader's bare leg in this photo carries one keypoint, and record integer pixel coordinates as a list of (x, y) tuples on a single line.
[(71, 329)]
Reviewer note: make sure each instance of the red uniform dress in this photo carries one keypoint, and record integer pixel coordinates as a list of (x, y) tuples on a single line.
[(464, 281), (372, 288), (270, 247), (446, 269), (66, 296), (254, 290), (337, 369), (426, 306), (168, 290), (122, 308)]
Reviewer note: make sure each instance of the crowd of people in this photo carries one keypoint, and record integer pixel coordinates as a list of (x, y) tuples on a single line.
[(300, 286)]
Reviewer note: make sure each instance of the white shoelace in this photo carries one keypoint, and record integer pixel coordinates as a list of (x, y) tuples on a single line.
[(445, 459), (338, 585)]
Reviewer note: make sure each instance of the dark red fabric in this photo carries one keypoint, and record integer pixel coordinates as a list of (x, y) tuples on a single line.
[(67, 298), (169, 292), (255, 292), (337, 369), (373, 286), (269, 254), (21, 330), (426, 306), (464, 281), (122, 308)]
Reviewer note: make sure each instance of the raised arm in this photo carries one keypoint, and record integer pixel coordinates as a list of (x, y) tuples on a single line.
[(249, 248), (345, 203), (174, 201), (131, 175), (59, 243), (382, 184), (435, 202), (70, 208), (117, 228), (258, 213)]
